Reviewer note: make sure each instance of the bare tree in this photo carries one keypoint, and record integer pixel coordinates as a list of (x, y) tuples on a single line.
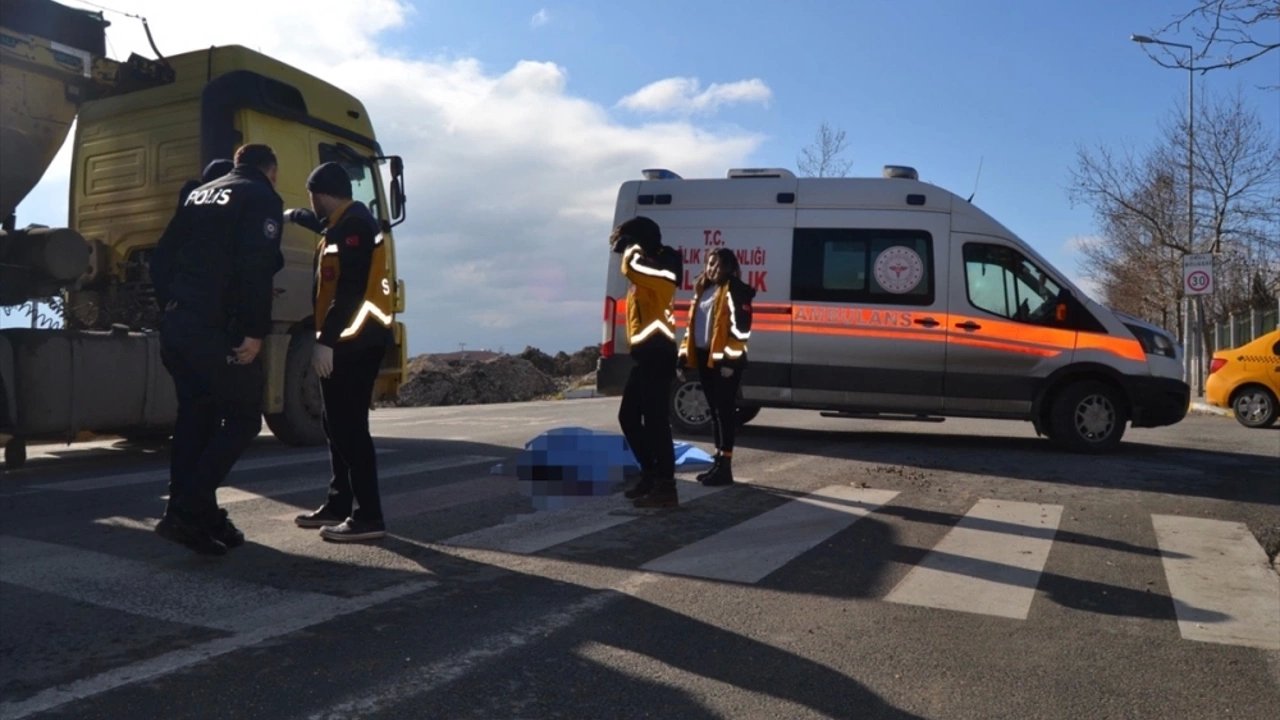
[(1227, 33), (1140, 205), (822, 158)]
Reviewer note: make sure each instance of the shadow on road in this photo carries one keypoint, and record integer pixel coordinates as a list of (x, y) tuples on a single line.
[(1131, 466)]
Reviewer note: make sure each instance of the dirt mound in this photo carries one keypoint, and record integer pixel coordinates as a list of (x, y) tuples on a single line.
[(479, 378)]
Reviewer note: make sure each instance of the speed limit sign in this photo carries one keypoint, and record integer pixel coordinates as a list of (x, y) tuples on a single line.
[(1197, 274)]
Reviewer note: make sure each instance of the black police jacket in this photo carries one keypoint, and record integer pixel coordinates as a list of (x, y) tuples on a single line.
[(220, 253)]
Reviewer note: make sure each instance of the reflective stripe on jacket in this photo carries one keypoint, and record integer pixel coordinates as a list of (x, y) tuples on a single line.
[(649, 299), (353, 284), (730, 324)]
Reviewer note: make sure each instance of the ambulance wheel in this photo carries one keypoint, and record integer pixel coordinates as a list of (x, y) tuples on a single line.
[(690, 413), (15, 454), (1087, 417), (301, 422)]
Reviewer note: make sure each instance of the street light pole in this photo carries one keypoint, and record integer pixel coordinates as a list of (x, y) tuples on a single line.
[(1193, 338)]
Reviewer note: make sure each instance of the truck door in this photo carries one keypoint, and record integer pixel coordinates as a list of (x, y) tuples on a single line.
[(868, 314), (1003, 335)]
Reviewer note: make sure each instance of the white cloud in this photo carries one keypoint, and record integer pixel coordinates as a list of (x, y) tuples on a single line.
[(684, 95), (511, 179), (540, 18)]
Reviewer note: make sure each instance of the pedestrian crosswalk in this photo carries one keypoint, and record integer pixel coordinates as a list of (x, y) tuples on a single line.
[(990, 562)]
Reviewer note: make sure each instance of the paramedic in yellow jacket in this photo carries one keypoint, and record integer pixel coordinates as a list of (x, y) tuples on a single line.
[(353, 316), (652, 269), (715, 344)]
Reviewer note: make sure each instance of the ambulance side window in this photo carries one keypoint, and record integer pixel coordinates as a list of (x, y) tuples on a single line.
[(893, 267), (1001, 281)]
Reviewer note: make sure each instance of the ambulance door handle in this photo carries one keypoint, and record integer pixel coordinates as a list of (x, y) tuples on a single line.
[(969, 325), (927, 322)]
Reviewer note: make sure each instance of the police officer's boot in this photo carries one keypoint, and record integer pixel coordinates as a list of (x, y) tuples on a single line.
[(640, 487), (721, 474), (225, 532), (715, 463)]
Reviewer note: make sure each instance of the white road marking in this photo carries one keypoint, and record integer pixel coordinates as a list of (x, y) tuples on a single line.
[(1223, 589), (988, 564), (228, 495), (196, 654), (129, 586), (751, 550), (162, 476), (541, 530), (439, 497)]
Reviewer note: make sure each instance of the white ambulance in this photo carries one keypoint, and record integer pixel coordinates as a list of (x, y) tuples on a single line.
[(890, 297)]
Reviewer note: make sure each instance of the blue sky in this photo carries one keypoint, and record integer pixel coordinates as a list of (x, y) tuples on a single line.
[(518, 120)]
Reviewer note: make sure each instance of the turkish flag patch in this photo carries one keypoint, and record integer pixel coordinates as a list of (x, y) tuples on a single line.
[(352, 241), (328, 274)]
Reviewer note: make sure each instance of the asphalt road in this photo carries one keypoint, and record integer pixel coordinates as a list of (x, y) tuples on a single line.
[(861, 569)]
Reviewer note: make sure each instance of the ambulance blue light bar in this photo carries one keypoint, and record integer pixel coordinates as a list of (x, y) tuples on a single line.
[(659, 174)]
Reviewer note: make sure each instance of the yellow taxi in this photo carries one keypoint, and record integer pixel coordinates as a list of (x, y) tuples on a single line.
[(1247, 380)]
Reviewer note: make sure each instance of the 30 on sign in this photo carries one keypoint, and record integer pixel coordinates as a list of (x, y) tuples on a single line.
[(1197, 274)]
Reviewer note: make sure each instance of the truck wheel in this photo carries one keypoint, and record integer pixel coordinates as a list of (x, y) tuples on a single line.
[(1088, 417), (302, 420), (1254, 406), (15, 454)]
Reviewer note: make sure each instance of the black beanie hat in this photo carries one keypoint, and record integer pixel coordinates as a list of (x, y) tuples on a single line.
[(216, 169), (330, 179), (643, 231)]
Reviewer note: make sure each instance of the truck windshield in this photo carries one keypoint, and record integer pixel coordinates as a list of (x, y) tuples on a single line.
[(363, 174)]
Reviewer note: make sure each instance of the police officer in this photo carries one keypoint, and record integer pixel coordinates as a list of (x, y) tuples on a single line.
[(652, 270), (177, 232), (217, 291), (353, 317)]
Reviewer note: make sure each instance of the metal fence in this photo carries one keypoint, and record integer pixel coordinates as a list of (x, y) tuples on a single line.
[(1238, 329), (1241, 328)]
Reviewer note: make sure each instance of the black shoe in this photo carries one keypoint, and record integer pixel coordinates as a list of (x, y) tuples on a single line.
[(661, 496), (715, 463), (353, 530), (721, 474), (324, 517), (189, 535), (640, 488), (227, 533)]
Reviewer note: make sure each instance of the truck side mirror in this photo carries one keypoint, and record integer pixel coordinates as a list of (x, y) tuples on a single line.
[(397, 190)]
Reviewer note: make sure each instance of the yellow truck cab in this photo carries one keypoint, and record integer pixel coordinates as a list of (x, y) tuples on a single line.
[(893, 298), (132, 154)]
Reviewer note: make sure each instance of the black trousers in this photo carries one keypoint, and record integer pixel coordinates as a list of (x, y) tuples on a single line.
[(219, 413), (643, 413), (347, 393), (722, 398)]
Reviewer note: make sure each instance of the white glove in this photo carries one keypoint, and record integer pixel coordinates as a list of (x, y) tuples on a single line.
[(322, 360), (726, 372)]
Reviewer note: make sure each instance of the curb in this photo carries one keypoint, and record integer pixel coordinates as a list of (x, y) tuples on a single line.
[(1207, 409)]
